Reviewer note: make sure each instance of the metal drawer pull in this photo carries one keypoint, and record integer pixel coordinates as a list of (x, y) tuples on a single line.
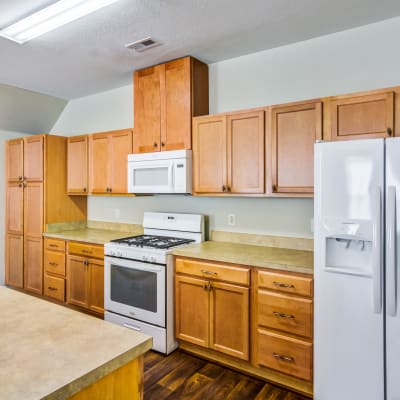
[(283, 285), (208, 272), (132, 327), (53, 264), (53, 245), (52, 288), (282, 358), (281, 315), (86, 251)]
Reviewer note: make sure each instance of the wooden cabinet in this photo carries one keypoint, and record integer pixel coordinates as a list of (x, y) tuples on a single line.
[(54, 268), (362, 116), (108, 158), (36, 195), (213, 301), (293, 131), (77, 165), (85, 276), (166, 98), (228, 153), (282, 314)]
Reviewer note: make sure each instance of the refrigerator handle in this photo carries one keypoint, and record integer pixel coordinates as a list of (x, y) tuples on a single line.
[(377, 261), (391, 251)]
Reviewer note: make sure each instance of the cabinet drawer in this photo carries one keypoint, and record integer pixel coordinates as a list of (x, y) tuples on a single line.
[(54, 287), (54, 244), (232, 274), (54, 262), (285, 354), (86, 250), (295, 284), (290, 314)]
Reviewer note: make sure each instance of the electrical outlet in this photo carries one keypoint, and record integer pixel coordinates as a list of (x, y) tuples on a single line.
[(117, 213), (231, 219)]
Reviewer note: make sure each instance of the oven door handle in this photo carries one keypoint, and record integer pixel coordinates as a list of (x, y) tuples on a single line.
[(132, 327)]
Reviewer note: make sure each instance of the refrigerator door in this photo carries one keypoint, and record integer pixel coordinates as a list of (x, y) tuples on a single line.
[(348, 271), (392, 268)]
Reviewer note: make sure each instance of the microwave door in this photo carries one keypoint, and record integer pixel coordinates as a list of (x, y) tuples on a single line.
[(151, 177)]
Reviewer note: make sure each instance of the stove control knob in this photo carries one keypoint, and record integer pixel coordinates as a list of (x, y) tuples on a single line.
[(153, 259), (119, 253), (144, 258), (112, 253)]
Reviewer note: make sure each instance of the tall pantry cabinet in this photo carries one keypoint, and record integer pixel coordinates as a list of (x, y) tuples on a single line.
[(36, 195)]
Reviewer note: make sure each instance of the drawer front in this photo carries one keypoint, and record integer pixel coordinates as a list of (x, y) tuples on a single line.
[(86, 250), (54, 287), (295, 284), (285, 354), (289, 314), (54, 262), (54, 244), (207, 270)]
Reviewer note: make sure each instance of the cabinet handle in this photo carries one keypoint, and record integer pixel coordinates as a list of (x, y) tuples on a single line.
[(155, 145), (228, 188), (53, 245), (389, 131), (84, 189), (283, 285), (53, 264), (282, 315), (85, 262), (162, 144), (209, 286), (86, 251), (205, 286), (223, 188), (274, 188), (20, 185), (24, 185), (208, 272), (51, 288), (282, 357), (20, 178)]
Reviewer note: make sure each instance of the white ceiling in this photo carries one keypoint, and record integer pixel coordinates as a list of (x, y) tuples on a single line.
[(88, 55)]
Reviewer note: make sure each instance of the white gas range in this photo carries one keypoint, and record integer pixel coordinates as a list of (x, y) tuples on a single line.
[(138, 282)]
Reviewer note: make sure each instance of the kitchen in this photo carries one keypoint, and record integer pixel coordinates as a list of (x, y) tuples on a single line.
[(335, 64)]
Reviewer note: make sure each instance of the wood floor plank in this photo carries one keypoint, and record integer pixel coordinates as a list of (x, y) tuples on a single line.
[(181, 376)]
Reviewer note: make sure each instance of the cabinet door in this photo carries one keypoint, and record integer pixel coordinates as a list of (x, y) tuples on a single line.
[(209, 155), (96, 285), (176, 120), (33, 158), (119, 148), (33, 264), (77, 281), (15, 208), (192, 310), (15, 260), (246, 152), (229, 330), (294, 130), (98, 163), (15, 160), (147, 110), (368, 116), (33, 209), (78, 165)]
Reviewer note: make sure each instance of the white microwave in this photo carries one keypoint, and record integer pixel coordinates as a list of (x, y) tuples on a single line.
[(160, 172)]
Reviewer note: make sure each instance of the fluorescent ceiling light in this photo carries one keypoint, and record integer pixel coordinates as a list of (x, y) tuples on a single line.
[(52, 17)]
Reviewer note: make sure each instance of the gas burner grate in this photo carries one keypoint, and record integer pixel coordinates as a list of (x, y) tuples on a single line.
[(157, 242)]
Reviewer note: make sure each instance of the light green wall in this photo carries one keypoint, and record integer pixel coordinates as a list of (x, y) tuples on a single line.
[(353, 60)]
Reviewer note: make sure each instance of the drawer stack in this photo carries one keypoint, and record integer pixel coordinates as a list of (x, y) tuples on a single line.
[(283, 318), (54, 268)]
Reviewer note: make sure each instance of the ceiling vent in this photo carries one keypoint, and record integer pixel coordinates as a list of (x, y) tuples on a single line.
[(143, 44)]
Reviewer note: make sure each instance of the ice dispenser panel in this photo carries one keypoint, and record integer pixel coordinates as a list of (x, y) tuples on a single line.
[(349, 248)]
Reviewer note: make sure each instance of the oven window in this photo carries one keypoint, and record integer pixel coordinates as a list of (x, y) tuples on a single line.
[(150, 176), (134, 287)]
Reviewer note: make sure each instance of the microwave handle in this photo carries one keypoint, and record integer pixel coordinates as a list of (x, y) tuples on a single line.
[(171, 178)]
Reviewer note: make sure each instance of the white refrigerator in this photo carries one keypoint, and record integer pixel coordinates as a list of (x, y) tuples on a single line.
[(356, 271)]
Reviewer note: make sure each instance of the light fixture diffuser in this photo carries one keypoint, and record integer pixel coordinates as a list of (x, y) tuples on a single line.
[(52, 17)]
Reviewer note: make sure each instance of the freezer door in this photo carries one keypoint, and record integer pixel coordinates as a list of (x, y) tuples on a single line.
[(392, 268), (348, 276)]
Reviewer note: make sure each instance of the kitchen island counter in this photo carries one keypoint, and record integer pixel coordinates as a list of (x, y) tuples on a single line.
[(54, 353), (291, 260)]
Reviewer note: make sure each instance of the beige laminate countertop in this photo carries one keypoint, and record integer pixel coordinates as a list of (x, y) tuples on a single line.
[(255, 256), (91, 235), (51, 352)]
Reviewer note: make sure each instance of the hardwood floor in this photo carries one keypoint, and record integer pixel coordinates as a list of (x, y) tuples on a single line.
[(181, 376)]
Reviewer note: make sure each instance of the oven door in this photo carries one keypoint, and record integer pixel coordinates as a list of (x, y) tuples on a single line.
[(135, 289), (151, 176)]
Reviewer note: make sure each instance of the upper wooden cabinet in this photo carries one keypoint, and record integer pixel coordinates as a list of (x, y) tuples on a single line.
[(14, 160), (166, 98), (362, 116), (33, 158), (228, 153), (293, 132), (108, 158), (78, 165)]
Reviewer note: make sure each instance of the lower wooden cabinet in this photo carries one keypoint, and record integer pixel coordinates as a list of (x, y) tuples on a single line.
[(54, 287), (85, 277), (54, 269), (15, 260), (221, 318), (33, 264)]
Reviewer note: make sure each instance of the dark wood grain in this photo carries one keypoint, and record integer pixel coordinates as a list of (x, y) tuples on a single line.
[(181, 376)]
